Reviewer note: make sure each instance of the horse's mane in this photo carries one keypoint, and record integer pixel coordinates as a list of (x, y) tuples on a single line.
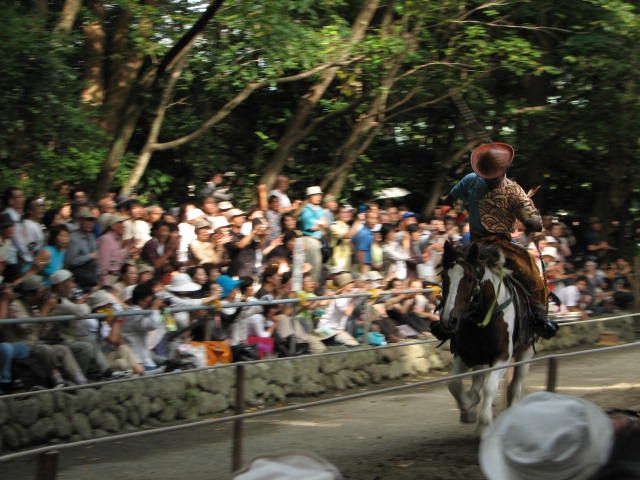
[(489, 256)]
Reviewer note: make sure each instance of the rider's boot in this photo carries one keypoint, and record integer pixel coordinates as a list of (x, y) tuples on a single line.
[(542, 326)]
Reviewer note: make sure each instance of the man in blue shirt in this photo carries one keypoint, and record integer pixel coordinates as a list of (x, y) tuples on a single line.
[(363, 241), (313, 223)]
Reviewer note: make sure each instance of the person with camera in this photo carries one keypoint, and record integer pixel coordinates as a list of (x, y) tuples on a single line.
[(49, 364), (139, 331), (76, 334), (243, 248)]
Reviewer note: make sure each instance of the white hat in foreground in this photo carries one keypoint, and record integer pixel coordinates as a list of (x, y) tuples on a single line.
[(289, 466), (549, 436)]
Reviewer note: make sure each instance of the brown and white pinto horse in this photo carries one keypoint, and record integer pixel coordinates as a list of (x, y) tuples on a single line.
[(485, 314)]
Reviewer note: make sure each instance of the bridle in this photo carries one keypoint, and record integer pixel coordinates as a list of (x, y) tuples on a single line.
[(476, 293)]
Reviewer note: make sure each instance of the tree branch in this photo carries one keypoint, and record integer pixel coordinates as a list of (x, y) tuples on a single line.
[(507, 25), (228, 107)]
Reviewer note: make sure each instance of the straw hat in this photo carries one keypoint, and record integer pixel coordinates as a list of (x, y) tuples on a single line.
[(547, 435), (99, 298), (343, 279)]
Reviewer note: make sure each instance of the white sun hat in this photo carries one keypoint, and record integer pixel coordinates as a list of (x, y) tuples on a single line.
[(193, 214), (220, 222), (314, 191), (547, 436), (289, 466), (182, 283)]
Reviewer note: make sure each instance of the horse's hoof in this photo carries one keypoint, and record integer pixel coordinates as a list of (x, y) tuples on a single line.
[(468, 416)]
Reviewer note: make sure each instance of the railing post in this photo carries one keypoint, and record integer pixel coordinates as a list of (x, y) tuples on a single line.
[(552, 374), (238, 424), (47, 468)]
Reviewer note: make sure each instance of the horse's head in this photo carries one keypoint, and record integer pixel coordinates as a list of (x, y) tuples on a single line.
[(461, 274)]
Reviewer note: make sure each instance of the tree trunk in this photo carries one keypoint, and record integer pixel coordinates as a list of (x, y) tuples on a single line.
[(68, 15), (41, 8), (125, 68), (350, 159), (291, 137), (154, 132), (147, 81), (95, 45), (118, 148)]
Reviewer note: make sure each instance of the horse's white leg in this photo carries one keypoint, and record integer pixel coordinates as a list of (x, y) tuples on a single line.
[(456, 388), (514, 391), (476, 386), (489, 392)]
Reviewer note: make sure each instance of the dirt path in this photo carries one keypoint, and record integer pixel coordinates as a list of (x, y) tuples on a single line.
[(390, 437)]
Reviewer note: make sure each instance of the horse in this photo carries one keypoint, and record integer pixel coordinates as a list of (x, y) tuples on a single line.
[(485, 314)]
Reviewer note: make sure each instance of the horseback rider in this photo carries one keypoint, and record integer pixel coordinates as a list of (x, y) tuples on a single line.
[(494, 203)]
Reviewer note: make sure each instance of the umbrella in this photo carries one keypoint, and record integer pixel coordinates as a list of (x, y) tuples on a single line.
[(393, 192)]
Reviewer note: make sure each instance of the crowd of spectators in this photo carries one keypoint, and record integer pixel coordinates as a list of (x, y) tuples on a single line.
[(120, 254)]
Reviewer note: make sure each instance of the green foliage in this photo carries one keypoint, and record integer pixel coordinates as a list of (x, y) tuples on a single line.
[(558, 79)]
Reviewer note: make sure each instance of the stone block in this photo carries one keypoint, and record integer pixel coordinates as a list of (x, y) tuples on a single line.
[(62, 425), (119, 411), (81, 426), (282, 373), (47, 405), (257, 384), (156, 406), (188, 410), (275, 393), (65, 403), (86, 400), (95, 418), (25, 410), (110, 423), (375, 373), (168, 414), (10, 436), (42, 430), (99, 433)]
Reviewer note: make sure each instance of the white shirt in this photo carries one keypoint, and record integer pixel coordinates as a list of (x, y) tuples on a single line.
[(187, 235), (34, 236), (569, 296), (139, 230), (285, 202), (334, 317)]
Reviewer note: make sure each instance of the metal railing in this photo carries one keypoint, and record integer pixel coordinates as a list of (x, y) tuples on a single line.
[(216, 306), (47, 462)]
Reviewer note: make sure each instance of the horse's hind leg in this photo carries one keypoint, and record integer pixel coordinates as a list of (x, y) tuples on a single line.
[(514, 390), (456, 387), (489, 392)]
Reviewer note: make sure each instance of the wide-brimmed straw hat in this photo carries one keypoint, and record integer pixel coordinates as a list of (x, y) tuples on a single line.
[(492, 160), (547, 435)]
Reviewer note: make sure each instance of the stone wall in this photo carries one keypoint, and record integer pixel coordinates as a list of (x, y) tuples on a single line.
[(64, 416), (92, 412)]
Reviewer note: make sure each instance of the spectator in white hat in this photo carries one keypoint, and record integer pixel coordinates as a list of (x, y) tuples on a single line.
[(119, 355), (313, 223), (547, 436), (76, 334), (202, 250), (180, 294)]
